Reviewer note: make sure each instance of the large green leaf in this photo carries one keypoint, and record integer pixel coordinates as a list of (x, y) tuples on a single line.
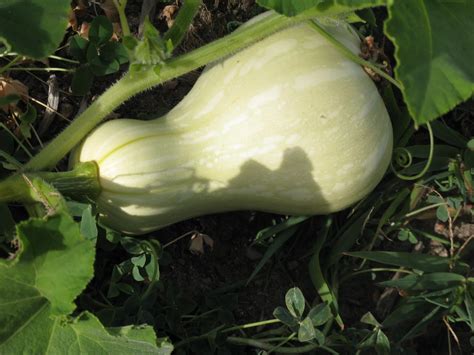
[(434, 43), (84, 335), (54, 266), (323, 7), (38, 289), (33, 28)]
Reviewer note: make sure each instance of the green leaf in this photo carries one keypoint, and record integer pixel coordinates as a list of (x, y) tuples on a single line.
[(281, 238), (316, 274), (433, 41), (9, 99), (320, 337), (294, 300), (320, 314), (88, 224), (139, 260), (346, 237), (306, 332), (368, 318), (137, 276), (280, 227), (327, 7), (100, 31), (407, 235), (26, 119), (150, 50), (433, 281), (78, 48), (54, 266), (448, 135), (82, 80), (52, 201), (442, 213), (33, 28), (83, 335), (285, 317), (382, 344), (421, 325), (101, 68), (114, 51), (423, 262)]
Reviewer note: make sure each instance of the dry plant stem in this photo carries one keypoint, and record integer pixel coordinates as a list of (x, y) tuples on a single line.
[(130, 85)]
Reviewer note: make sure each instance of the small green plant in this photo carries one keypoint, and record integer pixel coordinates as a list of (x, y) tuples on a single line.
[(98, 55)]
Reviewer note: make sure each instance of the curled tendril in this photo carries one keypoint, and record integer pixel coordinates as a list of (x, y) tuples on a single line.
[(404, 159)]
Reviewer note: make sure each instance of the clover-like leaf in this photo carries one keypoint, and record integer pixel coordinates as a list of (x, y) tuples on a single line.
[(306, 332), (320, 314), (294, 300), (285, 317)]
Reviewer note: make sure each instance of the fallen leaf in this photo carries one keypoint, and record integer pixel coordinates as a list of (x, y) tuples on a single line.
[(198, 240), (72, 20), (10, 86), (110, 10), (84, 30), (168, 14)]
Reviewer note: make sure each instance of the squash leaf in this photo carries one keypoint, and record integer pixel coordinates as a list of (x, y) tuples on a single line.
[(433, 41), (33, 28), (322, 7), (82, 335), (54, 264)]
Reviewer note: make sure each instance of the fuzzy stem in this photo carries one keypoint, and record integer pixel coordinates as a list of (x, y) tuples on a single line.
[(129, 85), (352, 56), (81, 183)]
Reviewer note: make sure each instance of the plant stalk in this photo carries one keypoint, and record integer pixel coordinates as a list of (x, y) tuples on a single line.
[(81, 183)]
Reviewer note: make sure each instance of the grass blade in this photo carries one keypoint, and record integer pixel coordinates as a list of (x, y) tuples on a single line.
[(434, 281), (273, 248), (427, 263), (317, 276), (272, 230)]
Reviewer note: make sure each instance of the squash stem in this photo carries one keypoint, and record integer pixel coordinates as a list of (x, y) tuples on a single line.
[(131, 85), (81, 183), (352, 56)]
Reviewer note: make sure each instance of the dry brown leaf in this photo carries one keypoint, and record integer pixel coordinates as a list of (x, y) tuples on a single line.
[(110, 10), (82, 5), (168, 14), (12, 87), (84, 30), (117, 31), (72, 20), (198, 240)]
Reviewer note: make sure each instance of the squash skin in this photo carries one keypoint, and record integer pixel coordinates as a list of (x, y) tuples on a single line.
[(288, 125)]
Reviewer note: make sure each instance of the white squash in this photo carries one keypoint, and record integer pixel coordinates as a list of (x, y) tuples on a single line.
[(288, 125)]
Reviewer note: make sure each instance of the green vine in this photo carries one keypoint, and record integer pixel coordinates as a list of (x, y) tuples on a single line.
[(407, 160), (129, 86)]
